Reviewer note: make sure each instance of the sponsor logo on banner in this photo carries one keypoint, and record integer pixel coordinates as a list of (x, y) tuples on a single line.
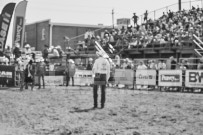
[(18, 30), (146, 77), (5, 74), (83, 77), (194, 78), (53, 80), (5, 19), (170, 78)]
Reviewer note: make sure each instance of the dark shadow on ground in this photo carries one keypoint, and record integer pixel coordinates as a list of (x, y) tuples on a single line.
[(77, 110)]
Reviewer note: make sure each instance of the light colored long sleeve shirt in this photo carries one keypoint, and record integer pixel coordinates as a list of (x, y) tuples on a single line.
[(101, 66)]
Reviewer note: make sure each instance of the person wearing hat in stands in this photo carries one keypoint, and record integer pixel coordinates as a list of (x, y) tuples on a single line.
[(101, 74), (90, 64), (16, 51), (27, 49), (70, 72), (40, 71), (22, 62)]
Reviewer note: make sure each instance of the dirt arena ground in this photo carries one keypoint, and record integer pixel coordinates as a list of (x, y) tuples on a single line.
[(68, 111)]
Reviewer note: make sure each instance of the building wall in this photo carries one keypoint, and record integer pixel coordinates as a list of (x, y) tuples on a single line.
[(30, 34), (74, 33), (37, 34), (43, 30), (36, 31)]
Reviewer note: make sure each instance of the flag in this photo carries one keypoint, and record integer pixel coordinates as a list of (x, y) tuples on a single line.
[(5, 20), (19, 23)]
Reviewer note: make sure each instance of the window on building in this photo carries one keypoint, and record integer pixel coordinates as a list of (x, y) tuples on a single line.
[(43, 34), (25, 37)]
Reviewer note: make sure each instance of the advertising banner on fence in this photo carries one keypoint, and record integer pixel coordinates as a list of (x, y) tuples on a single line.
[(170, 78), (7, 75), (146, 77), (124, 76), (5, 20), (83, 77), (194, 78), (51, 80)]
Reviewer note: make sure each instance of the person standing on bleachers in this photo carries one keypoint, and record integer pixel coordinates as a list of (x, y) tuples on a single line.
[(135, 19)]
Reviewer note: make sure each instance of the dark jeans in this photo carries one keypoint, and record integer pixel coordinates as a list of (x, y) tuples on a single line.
[(22, 79), (68, 80), (103, 95), (39, 80), (99, 80), (30, 82)]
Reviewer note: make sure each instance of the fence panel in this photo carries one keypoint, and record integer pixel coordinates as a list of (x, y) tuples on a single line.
[(170, 78), (124, 76), (146, 77)]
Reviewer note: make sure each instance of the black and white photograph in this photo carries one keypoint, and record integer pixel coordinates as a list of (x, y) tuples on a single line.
[(93, 67)]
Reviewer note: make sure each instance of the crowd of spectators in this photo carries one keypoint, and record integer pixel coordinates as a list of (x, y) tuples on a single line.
[(157, 64), (171, 27)]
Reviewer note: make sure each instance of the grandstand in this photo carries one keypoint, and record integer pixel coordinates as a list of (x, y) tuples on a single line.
[(171, 34)]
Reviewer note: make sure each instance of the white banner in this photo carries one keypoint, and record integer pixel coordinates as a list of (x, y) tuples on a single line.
[(146, 77), (170, 77), (194, 78), (53, 80), (124, 76), (83, 77)]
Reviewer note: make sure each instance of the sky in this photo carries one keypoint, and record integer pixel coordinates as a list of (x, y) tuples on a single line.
[(94, 11)]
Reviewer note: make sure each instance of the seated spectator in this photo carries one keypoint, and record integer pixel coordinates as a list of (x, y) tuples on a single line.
[(60, 51), (141, 66), (54, 53), (90, 64)]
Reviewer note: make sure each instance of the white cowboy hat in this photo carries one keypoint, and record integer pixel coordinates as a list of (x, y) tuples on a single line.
[(17, 45), (71, 61), (41, 59), (27, 46), (90, 59), (58, 47)]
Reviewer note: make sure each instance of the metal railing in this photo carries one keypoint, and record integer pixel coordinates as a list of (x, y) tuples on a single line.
[(187, 5)]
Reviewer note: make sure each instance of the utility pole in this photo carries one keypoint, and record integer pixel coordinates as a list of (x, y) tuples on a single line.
[(113, 18), (179, 3)]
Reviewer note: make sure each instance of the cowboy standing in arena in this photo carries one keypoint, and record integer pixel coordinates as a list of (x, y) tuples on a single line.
[(22, 62), (101, 74), (70, 72), (40, 72), (30, 74), (16, 51), (27, 49)]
